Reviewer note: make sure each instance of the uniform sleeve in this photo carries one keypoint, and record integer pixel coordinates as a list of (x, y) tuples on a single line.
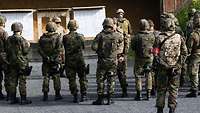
[(133, 41), (130, 31), (82, 40), (191, 42), (184, 52), (40, 50), (25, 46), (95, 43), (59, 45)]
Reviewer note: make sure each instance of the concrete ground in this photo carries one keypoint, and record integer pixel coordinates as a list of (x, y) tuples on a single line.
[(122, 105)]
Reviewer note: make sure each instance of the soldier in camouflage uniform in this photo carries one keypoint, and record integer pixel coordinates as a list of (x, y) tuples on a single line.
[(193, 45), (74, 61), (105, 45), (125, 26), (189, 24), (3, 63), (60, 30), (170, 52), (50, 46), (17, 49), (142, 44)]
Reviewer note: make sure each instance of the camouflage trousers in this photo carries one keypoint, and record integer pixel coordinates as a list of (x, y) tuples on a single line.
[(193, 70), (121, 73), (4, 75), (140, 73), (167, 82), (14, 79), (77, 68), (46, 78), (104, 73)]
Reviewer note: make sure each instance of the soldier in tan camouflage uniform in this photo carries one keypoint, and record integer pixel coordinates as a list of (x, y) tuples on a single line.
[(74, 61), (142, 44), (124, 27), (170, 52)]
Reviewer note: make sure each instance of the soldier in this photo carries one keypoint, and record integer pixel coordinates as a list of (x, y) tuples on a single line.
[(74, 61), (142, 44), (105, 45), (125, 26), (60, 30), (17, 49), (3, 63), (194, 56), (50, 46), (189, 25), (170, 52)]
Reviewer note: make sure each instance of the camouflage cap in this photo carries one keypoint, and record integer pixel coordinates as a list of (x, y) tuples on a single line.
[(56, 19), (17, 27), (119, 11), (73, 25), (51, 27), (108, 22)]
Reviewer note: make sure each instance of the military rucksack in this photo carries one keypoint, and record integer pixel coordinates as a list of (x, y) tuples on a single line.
[(170, 50), (144, 44)]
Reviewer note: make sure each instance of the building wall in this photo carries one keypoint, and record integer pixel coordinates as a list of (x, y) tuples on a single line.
[(135, 9)]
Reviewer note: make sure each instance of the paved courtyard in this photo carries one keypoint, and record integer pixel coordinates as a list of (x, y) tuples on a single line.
[(122, 105)]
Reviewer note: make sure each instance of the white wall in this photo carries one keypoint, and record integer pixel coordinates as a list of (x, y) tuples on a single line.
[(26, 18), (90, 21)]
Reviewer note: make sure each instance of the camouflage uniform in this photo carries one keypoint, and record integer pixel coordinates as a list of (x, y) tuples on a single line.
[(194, 56), (60, 30), (170, 52), (17, 49), (74, 60), (142, 44), (125, 26), (3, 70), (105, 45), (50, 45)]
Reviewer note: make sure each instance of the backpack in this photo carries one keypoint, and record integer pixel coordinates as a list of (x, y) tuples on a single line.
[(170, 50), (144, 44)]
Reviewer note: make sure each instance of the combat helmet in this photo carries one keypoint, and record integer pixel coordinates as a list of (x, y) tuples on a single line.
[(120, 11), (56, 19), (51, 27), (144, 24), (17, 27), (167, 23), (73, 25), (108, 22)]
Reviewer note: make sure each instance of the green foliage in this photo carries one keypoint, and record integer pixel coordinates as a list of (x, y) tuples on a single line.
[(182, 15)]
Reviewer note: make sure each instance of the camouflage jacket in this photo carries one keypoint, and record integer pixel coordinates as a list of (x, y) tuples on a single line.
[(105, 45), (73, 44), (173, 51), (193, 42), (142, 43), (3, 38), (17, 49), (50, 46)]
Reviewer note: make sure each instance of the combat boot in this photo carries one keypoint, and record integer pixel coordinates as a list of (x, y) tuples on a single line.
[(148, 94), (138, 96), (1, 96), (99, 101), (45, 96), (193, 93), (24, 100), (83, 98), (110, 100), (171, 110), (76, 99), (58, 96), (159, 110), (124, 93), (13, 99)]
